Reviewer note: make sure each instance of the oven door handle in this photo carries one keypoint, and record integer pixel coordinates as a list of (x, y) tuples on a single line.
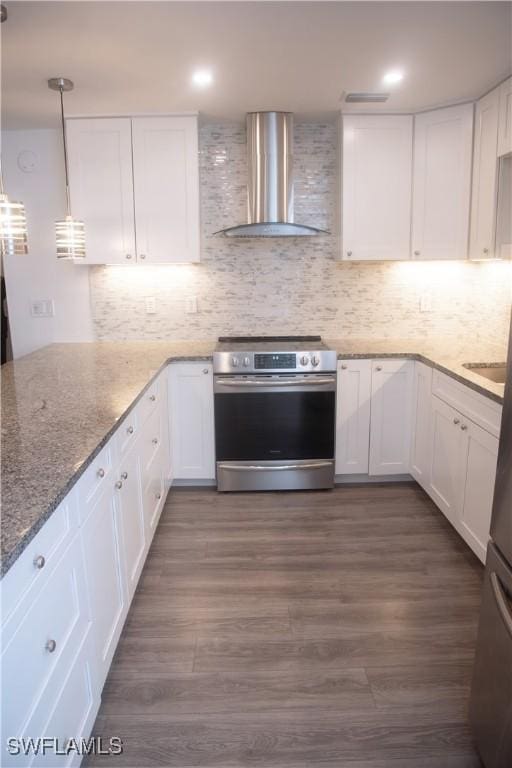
[(313, 382), (276, 468)]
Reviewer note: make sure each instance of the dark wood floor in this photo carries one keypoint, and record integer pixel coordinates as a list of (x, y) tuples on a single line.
[(288, 630)]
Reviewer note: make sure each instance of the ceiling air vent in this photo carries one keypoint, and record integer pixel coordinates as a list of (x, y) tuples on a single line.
[(366, 98)]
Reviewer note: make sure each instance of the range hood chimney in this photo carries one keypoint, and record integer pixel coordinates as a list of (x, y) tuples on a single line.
[(270, 179)]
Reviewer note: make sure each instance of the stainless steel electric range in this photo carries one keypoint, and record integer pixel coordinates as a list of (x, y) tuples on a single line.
[(275, 412)]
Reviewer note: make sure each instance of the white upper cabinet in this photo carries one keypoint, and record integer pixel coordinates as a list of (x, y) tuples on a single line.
[(165, 166), (376, 193), (441, 183), (135, 184), (485, 175), (505, 119), (101, 185)]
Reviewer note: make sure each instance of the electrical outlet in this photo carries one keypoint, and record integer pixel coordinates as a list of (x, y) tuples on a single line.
[(426, 302), (42, 308), (150, 305), (191, 305)]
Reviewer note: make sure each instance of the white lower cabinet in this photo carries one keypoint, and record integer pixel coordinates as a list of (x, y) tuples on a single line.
[(463, 473), (191, 421), (391, 406), (421, 411), (353, 401), (101, 538)]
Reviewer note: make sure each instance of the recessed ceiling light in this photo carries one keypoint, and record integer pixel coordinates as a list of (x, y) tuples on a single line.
[(393, 76), (202, 78)]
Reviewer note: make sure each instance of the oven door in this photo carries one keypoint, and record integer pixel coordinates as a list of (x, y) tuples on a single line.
[(275, 431)]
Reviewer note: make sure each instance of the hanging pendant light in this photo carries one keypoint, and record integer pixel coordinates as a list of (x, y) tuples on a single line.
[(13, 225), (70, 233)]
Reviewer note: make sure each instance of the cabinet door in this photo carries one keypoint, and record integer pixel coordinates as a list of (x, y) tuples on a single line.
[(441, 183), (166, 176), (421, 408), (353, 416), (101, 186), (505, 118), (191, 412), (482, 457), (485, 170), (390, 422), (128, 500), (105, 579), (448, 464), (376, 194)]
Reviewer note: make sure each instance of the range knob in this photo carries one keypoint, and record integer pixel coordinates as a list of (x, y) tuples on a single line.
[(304, 360), (315, 360), (235, 362), (247, 362)]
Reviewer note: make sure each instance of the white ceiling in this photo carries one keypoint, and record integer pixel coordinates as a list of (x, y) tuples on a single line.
[(134, 57)]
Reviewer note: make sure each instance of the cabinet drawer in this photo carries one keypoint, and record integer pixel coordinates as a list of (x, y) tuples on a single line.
[(127, 432), (150, 400), (96, 477), (44, 641), (480, 409), (33, 567)]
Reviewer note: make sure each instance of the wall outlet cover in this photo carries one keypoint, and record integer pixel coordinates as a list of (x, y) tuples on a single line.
[(42, 308), (191, 305), (150, 305)]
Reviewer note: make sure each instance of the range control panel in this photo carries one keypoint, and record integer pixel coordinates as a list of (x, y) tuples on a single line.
[(269, 361), (249, 361)]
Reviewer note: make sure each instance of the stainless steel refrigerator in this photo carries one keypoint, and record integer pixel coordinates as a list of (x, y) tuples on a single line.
[(491, 693)]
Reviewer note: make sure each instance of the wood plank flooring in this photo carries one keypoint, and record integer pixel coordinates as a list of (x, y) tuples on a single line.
[(298, 630)]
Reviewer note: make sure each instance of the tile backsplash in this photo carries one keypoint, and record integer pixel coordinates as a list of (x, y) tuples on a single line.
[(296, 285)]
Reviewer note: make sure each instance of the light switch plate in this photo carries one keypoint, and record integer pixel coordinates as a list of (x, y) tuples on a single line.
[(426, 302), (42, 308), (191, 305), (150, 305)]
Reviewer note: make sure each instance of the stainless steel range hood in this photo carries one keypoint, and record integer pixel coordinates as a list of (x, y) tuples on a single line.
[(270, 182)]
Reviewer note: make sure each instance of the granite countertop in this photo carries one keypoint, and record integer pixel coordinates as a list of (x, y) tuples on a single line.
[(62, 403), (447, 355)]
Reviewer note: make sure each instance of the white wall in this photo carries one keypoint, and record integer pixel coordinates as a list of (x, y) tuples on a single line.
[(39, 275)]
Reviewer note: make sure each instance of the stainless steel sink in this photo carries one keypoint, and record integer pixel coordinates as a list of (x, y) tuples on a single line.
[(496, 372)]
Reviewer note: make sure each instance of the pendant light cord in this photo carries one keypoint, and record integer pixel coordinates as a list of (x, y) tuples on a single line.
[(68, 202)]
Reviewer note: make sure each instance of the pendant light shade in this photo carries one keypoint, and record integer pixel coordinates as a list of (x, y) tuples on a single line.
[(69, 232), (13, 227)]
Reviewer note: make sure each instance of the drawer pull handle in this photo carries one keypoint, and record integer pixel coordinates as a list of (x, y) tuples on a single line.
[(51, 646), (343, 367), (152, 398), (130, 430), (158, 495), (155, 441), (124, 475), (456, 421), (464, 427), (378, 368), (101, 472), (39, 562), (119, 485), (205, 370)]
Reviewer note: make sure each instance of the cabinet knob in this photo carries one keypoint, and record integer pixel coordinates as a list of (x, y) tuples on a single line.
[(486, 250), (417, 253), (119, 485), (158, 495), (155, 441), (464, 427), (124, 475), (343, 367), (349, 254), (130, 430), (39, 562), (205, 370), (152, 398), (128, 255), (51, 646), (456, 421), (142, 255), (378, 367), (101, 472)]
